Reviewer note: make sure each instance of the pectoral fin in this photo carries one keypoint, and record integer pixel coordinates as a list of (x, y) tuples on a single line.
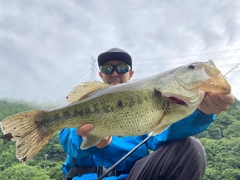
[(83, 90), (90, 141)]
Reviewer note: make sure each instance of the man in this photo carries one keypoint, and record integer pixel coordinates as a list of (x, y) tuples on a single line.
[(176, 155)]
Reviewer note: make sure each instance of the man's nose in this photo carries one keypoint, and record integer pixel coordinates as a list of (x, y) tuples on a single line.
[(114, 73)]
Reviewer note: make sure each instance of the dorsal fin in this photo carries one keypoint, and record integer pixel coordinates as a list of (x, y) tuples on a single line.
[(83, 90)]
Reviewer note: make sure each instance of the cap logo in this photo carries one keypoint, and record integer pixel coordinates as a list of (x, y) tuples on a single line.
[(115, 50)]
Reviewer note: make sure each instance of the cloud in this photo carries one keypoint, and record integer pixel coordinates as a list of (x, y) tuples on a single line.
[(46, 46)]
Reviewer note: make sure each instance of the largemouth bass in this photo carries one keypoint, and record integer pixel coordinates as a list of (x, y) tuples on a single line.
[(135, 108)]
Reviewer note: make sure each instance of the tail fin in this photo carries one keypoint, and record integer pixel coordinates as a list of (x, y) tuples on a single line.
[(26, 128)]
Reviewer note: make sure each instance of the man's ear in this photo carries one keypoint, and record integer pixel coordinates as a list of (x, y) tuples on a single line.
[(131, 74), (100, 74)]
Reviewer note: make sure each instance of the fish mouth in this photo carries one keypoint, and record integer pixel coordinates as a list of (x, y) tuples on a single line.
[(177, 101)]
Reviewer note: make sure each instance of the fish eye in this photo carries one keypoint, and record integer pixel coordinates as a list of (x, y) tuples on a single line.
[(191, 66)]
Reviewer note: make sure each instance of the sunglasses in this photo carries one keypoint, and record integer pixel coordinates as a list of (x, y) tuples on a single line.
[(120, 68)]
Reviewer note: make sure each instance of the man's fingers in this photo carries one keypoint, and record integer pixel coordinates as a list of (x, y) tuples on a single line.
[(105, 142), (226, 98), (216, 103), (84, 129)]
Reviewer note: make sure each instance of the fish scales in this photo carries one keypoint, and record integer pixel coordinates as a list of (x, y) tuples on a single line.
[(141, 106)]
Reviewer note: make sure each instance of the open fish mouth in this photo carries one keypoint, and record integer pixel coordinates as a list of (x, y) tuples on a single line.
[(177, 101)]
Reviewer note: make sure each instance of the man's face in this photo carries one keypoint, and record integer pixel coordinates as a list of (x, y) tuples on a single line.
[(116, 78)]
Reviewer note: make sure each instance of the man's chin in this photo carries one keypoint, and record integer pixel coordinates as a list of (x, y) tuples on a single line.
[(114, 83)]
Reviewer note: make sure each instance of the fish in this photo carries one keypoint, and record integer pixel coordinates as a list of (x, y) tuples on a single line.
[(142, 106)]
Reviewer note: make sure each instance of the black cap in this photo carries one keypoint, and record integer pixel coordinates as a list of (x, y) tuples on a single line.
[(114, 54)]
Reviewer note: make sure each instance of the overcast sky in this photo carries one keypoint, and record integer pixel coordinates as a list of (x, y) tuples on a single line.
[(48, 47)]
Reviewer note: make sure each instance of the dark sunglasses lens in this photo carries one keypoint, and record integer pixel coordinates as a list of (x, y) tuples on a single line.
[(106, 69), (122, 68)]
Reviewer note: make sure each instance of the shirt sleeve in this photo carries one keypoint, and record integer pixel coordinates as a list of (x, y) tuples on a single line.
[(189, 126)]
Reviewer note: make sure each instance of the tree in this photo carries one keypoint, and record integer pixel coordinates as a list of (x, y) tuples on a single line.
[(24, 172), (223, 158), (233, 130)]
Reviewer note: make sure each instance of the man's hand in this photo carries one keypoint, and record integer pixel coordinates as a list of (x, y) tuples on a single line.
[(214, 103), (86, 128)]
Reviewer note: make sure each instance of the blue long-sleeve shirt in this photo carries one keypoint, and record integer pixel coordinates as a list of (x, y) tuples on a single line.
[(191, 125)]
